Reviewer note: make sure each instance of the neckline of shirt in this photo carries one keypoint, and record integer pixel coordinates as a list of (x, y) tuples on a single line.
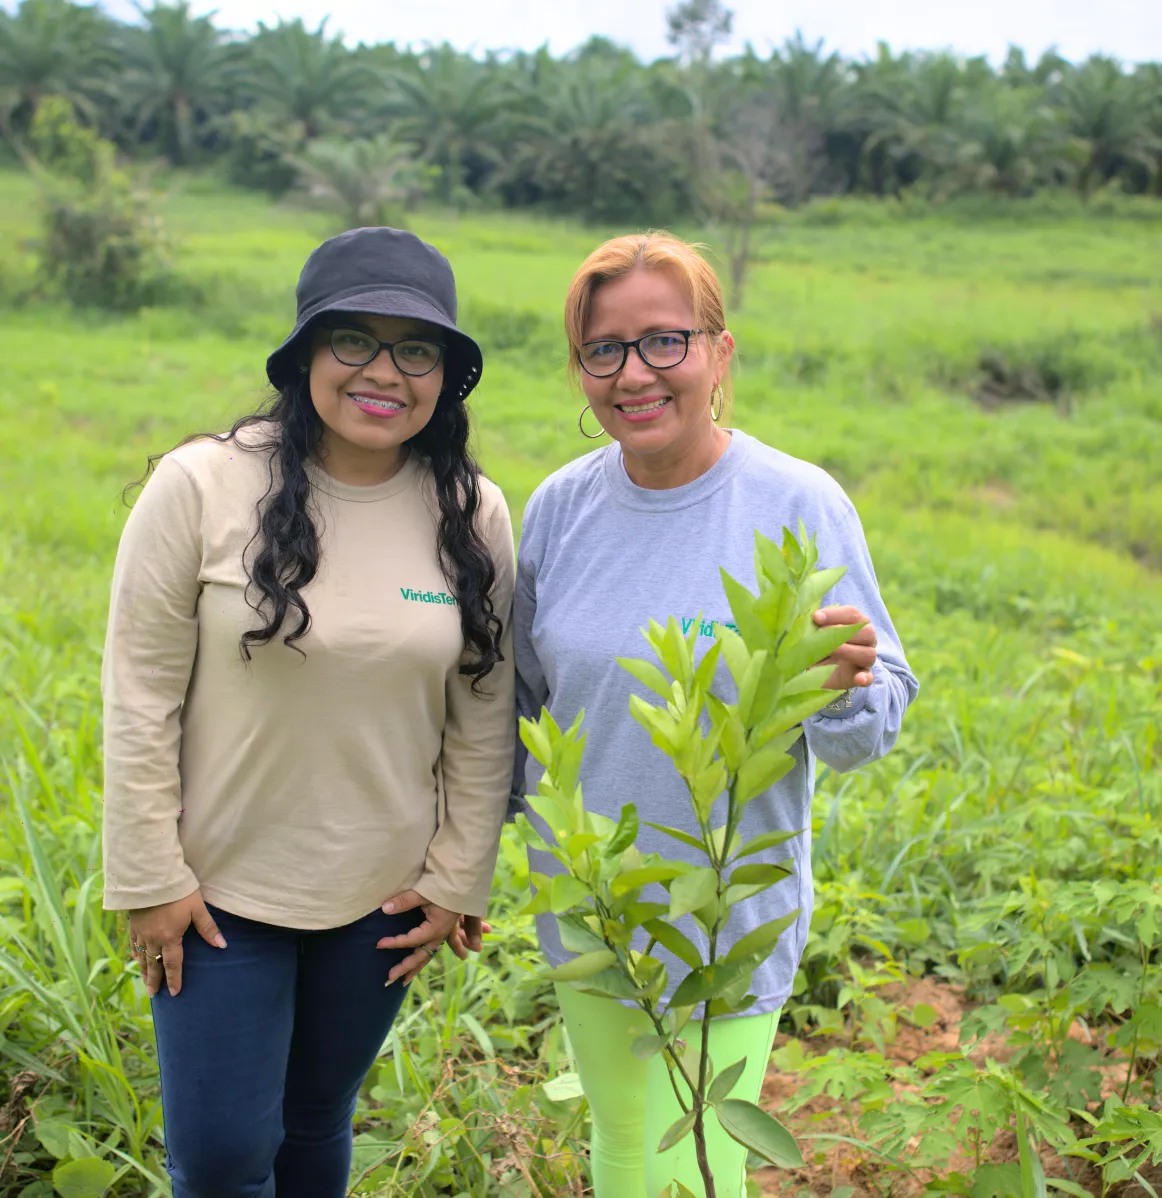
[(670, 499), (403, 478)]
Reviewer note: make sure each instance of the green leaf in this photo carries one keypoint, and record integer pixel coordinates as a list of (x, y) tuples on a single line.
[(645, 1047), (577, 937), (760, 771), (1068, 1187), (609, 983), (53, 1137), (536, 738), (788, 714), (692, 890), (88, 1178), (585, 966), (634, 879), (742, 603), (772, 607), (816, 585), (813, 679), (675, 652), (761, 873), (708, 786), (647, 674), (814, 645), (706, 983), (1032, 1174), (566, 892), (724, 1082), (769, 559), (677, 1131), (766, 840), (625, 833), (748, 687), (763, 1134), (678, 834), (760, 942), (563, 1087), (708, 667), (529, 834), (639, 913), (669, 937), (734, 650), (796, 554)]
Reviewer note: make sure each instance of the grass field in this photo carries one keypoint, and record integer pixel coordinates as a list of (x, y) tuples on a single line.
[(982, 989)]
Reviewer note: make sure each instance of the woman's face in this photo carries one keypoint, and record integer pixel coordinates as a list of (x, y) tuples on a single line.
[(652, 412), (372, 409)]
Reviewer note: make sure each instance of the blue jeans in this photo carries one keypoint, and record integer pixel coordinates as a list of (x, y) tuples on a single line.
[(263, 1052)]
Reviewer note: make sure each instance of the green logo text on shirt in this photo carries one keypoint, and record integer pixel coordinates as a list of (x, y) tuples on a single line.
[(427, 596), (706, 627)]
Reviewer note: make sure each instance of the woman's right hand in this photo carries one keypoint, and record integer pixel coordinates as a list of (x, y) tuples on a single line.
[(156, 936)]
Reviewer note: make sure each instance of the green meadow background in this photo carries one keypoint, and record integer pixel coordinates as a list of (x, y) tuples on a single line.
[(987, 385)]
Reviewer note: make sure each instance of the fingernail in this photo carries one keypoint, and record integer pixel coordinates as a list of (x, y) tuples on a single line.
[(172, 992), (220, 941), (820, 618), (388, 908)]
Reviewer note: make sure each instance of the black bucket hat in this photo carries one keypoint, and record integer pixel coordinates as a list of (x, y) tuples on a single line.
[(387, 272)]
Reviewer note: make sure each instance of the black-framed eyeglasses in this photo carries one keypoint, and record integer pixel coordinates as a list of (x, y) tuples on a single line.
[(661, 350), (357, 347)]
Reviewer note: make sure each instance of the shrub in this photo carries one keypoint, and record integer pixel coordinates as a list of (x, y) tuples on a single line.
[(102, 244)]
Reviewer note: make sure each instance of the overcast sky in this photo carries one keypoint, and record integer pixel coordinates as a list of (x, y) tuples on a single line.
[(1129, 29)]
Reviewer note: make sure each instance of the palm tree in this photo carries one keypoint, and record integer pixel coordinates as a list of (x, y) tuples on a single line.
[(1110, 125), (1007, 142), (304, 77), (446, 104), (908, 107), (50, 47), (370, 181), (598, 146), (177, 74)]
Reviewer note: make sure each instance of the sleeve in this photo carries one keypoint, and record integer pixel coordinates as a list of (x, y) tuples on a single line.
[(150, 644), (476, 759), (532, 691), (863, 726)]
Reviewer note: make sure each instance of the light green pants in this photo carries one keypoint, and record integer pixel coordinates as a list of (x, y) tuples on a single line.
[(632, 1103)]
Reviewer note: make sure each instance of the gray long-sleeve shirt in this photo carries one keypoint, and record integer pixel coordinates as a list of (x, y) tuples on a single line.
[(599, 557)]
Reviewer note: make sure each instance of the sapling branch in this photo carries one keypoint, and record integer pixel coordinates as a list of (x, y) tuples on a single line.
[(733, 750)]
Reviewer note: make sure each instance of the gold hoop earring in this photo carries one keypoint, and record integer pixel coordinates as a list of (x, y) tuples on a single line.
[(715, 416), (581, 425)]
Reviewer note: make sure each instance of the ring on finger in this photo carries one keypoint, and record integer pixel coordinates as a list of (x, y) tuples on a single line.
[(430, 950)]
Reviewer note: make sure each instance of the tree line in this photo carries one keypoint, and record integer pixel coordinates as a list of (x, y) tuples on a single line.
[(595, 133)]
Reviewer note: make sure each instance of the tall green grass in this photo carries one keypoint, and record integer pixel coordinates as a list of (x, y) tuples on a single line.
[(998, 848)]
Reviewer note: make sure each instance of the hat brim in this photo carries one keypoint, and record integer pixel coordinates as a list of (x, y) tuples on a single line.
[(463, 362)]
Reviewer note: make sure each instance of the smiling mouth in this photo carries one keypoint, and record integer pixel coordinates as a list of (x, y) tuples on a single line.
[(387, 405), (633, 408)]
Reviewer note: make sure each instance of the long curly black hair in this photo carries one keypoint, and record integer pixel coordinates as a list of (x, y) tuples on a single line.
[(286, 542)]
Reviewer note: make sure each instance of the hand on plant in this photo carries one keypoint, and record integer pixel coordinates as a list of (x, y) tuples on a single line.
[(426, 938), (853, 661), (156, 936)]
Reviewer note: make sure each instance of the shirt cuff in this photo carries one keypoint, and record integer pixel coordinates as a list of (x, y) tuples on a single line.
[(849, 703)]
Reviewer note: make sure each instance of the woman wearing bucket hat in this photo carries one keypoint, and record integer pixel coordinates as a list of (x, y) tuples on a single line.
[(309, 708)]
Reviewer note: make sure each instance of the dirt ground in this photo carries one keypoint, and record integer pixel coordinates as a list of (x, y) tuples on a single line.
[(843, 1171)]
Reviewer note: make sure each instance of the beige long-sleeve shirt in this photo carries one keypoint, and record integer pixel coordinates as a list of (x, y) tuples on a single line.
[(299, 790)]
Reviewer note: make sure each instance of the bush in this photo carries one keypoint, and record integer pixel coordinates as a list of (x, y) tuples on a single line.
[(102, 244)]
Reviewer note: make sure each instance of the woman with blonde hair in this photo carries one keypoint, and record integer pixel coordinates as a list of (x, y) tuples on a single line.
[(636, 530)]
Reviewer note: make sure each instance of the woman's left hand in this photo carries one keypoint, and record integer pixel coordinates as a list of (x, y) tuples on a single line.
[(427, 938), (853, 661)]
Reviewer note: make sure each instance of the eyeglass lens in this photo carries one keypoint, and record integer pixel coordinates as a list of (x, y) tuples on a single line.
[(660, 350), (353, 347)]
